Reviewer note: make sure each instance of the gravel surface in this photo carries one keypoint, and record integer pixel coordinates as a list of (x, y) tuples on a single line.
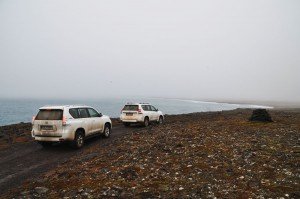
[(27, 160), (201, 155)]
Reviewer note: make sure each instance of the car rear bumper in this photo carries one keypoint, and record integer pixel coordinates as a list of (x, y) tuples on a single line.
[(134, 119), (131, 121), (50, 137)]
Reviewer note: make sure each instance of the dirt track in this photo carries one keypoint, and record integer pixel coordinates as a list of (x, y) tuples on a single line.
[(24, 161)]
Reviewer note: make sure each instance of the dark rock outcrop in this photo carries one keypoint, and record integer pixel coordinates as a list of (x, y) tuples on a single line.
[(260, 115)]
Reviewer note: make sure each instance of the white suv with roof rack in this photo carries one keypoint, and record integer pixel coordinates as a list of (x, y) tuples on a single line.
[(140, 113), (72, 123)]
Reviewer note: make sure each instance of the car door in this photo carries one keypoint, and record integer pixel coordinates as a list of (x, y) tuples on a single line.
[(86, 120), (147, 111), (150, 112), (155, 115), (97, 123)]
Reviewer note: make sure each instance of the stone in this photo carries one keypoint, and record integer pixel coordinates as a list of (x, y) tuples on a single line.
[(260, 115), (41, 190), (25, 193)]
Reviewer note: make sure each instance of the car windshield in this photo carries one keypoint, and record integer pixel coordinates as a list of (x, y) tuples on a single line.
[(53, 114), (130, 108)]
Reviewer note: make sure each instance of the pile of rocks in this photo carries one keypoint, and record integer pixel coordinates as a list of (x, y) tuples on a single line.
[(260, 115)]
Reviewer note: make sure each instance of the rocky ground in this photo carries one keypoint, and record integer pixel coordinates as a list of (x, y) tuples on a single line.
[(14, 133), (201, 155)]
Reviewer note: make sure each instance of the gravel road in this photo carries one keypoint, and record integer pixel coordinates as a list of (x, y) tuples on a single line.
[(25, 161)]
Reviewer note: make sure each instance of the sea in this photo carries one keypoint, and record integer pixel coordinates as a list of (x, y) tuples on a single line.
[(14, 111)]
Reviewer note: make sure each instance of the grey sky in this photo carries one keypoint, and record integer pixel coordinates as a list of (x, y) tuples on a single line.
[(232, 50)]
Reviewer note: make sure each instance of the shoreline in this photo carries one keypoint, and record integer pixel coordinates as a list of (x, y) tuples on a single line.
[(262, 103), (294, 109), (116, 120), (234, 104)]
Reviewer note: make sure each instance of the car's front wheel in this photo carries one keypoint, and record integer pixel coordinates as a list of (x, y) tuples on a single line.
[(107, 131), (160, 120)]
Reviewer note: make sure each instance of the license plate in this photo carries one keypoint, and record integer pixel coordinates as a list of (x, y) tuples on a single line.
[(46, 128), (129, 114)]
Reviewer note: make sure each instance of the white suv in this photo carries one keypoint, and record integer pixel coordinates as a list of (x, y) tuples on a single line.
[(140, 113), (69, 123)]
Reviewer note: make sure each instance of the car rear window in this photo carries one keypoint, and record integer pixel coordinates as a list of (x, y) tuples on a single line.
[(53, 114), (130, 108)]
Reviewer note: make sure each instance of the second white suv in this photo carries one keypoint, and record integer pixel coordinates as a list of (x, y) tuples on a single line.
[(69, 123), (140, 113)]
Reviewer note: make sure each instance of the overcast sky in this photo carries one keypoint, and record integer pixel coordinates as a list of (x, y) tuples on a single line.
[(222, 50)]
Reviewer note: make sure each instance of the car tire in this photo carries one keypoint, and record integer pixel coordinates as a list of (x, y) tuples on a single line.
[(126, 124), (146, 122), (78, 140), (160, 120), (107, 131), (45, 144)]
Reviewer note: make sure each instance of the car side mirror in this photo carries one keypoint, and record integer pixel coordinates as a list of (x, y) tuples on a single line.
[(100, 115), (156, 110)]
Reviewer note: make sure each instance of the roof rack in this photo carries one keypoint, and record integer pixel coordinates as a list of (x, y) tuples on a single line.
[(49, 105), (132, 103)]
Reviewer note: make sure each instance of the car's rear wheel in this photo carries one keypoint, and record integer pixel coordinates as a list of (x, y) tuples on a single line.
[(107, 131), (126, 124), (146, 122), (160, 120), (45, 144), (79, 140)]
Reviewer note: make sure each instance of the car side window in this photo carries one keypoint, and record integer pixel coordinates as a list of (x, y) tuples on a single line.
[(149, 108), (93, 113), (83, 113), (74, 113), (153, 108), (145, 107)]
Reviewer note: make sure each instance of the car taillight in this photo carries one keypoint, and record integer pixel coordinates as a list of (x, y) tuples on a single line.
[(140, 111), (33, 118), (64, 121)]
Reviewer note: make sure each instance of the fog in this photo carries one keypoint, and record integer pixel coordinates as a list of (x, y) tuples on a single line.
[(229, 50)]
